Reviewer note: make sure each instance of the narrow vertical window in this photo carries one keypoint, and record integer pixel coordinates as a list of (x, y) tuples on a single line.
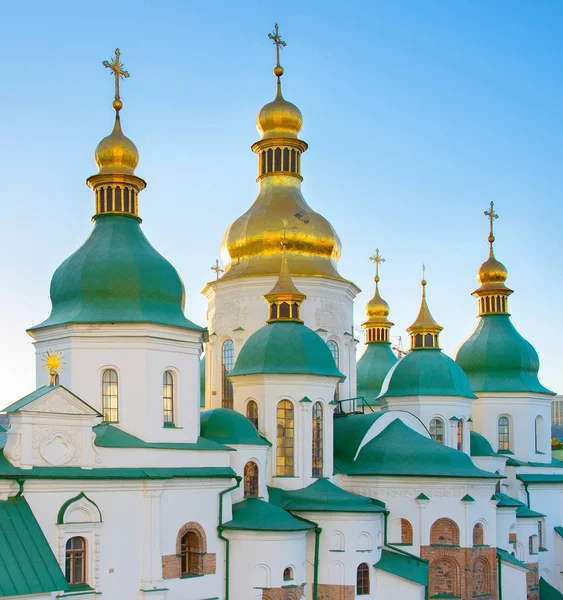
[(263, 162), (437, 430), (270, 161), (333, 347), (251, 480), (252, 412), (285, 439), (362, 580), (317, 440), (126, 199), (110, 396), (503, 434), (292, 167), (102, 200), (110, 199), (75, 561), (227, 364), (118, 198), (168, 397), (286, 159), (277, 159), (460, 435)]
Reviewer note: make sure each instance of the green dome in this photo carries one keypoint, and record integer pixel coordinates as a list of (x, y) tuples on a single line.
[(480, 445), (229, 427), (496, 358), (286, 347), (372, 368), (116, 276), (426, 372)]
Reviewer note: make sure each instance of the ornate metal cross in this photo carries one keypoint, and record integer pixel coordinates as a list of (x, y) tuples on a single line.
[(116, 67), (275, 37), (217, 268), (377, 259), (492, 216)]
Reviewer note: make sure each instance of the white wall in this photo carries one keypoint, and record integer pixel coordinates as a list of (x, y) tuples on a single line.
[(391, 586), (513, 582)]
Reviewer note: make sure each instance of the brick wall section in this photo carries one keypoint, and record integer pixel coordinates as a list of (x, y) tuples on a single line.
[(532, 581), (283, 593), (444, 531), (336, 592), (462, 572)]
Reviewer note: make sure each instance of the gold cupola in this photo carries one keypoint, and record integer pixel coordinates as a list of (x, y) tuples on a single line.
[(116, 186), (251, 245), (424, 331), (284, 298), (492, 294), (377, 326)]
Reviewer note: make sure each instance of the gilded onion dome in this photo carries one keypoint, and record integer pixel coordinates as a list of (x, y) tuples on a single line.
[(116, 153), (424, 331), (251, 245)]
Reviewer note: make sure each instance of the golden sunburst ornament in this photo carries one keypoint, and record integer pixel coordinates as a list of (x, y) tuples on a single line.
[(53, 364)]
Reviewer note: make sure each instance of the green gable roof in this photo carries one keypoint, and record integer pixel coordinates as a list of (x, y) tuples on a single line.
[(540, 478), (27, 563), (109, 436), (507, 557), (230, 427), (116, 276), (427, 372), (480, 445), (40, 392), (548, 592), (254, 514), (399, 450), (505, 501), (372, 368), (559, 531), (404, 565), (323, 496), (496, 358), (350, 430), (285, 348)]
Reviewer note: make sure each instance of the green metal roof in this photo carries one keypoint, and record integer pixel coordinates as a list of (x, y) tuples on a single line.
[(38, 393), (404, 565), (548, 592), (480, 445), (230, 427), (109, 436), (372, 368), (399, 450), (286, 347), (559, 531), (496, 358), (427, 372), (507, 557), (523, 512), (116, 276), (324, 496), (505, 501), (540, 478), (27, 563), (254, 514)]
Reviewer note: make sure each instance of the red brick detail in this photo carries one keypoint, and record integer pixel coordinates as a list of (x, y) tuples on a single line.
[(172, 563), (406, 532), (336, 592), (478, 535), (191, 526), (283, 593), (444, 532), (171, 567), (532, 581), (462, 572), (512, 538)]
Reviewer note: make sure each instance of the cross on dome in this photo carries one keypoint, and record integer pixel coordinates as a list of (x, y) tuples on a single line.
[(377, 259), (492, 215), (116, 67), (279, 43)]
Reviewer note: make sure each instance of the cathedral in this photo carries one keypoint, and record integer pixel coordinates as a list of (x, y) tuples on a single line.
[(254, 458)]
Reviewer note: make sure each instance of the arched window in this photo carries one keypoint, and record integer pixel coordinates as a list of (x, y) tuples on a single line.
[(288, 574), (444, 532), (252, 412), (478, 534), (539, 434), (444, 580), (75, 561), (362, 580), (110, 397), (334, 350), (251, 480), (168, 397), (227, 364), (285, 441), (406, 532), (533, 544), (460, 435), (317, 439), (57, 379), (191, 554), (503, 434), (437, 430)]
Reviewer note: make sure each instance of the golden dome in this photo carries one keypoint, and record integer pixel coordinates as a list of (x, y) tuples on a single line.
[(492, 271), (377, 307), (279, 118), (116, 153)]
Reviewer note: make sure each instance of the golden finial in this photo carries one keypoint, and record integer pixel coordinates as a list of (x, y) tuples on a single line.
[(377, 259), (53, 363), (116, 67), (216, 268), (276, 38), (423, 282), (492, 215)]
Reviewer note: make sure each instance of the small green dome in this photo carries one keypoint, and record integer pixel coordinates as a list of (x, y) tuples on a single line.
[(427, 372), (372, 368), (229, 427), (116, 276), (480, 445), (286, 347), (496, 358)]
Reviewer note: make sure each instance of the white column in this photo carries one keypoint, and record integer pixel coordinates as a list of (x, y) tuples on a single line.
[(151, 574)]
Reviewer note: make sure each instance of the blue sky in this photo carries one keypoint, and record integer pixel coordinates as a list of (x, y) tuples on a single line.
[(417, 114)]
